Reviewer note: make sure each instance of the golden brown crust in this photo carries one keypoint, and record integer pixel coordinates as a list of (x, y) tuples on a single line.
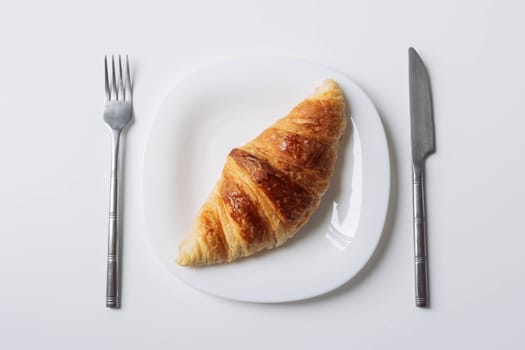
[(291, 201), (295, 149), (270, 186), (318, 119), (207, 242), (213, 235), (253, 227), (304, 160)]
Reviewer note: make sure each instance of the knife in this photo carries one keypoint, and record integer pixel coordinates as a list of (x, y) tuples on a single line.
[(423, 145)]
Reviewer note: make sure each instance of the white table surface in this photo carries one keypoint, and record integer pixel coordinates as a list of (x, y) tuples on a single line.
[(54, 153)]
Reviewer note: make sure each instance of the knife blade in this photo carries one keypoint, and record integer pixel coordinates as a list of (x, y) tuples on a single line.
[(423, 145)]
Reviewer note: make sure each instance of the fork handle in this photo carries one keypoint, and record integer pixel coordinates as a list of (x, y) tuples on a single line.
[(420, 239), (113, 279)]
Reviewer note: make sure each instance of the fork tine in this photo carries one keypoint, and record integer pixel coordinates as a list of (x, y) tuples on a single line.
[(108, 95), (114, 82), (127, 79), (122, 95)]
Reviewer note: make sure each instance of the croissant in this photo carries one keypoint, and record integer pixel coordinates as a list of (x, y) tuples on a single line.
[(270, 187)]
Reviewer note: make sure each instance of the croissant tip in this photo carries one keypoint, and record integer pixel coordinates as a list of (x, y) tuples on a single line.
[(181, 260), (187, 256), (329, 89), (329, 82)]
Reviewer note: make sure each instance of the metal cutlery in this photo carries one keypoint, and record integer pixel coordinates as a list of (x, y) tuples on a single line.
[(423, 145), (118, 112)]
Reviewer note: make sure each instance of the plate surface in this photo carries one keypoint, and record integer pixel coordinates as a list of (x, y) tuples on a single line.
[(224, 105)]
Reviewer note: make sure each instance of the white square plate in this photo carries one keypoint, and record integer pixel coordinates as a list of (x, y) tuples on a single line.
[(224, 105)]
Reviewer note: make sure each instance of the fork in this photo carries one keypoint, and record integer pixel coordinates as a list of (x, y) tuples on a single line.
[(118, 112)]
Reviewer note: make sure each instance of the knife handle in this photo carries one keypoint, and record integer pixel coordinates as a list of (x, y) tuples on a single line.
[(420, 238)]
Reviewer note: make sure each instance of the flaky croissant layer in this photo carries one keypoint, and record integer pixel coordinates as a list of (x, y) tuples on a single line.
[(270, 187)]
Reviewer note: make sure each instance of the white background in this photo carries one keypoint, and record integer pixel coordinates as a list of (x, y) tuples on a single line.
[(54, 156)]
